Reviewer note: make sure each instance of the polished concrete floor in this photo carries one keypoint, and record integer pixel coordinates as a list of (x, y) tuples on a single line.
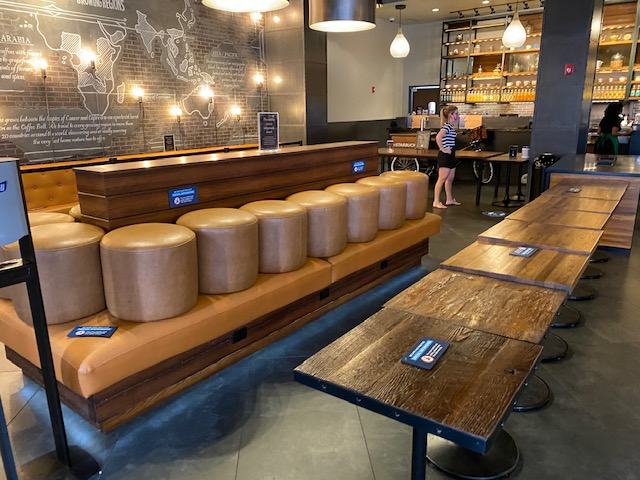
[(252, 421)]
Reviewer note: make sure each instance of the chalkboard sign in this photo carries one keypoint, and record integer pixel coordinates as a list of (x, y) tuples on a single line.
[(169, 144), (268, 130)]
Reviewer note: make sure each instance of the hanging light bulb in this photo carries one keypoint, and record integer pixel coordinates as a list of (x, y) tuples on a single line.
[(342, 15), (514, 35), (247, 6), (400, 46)]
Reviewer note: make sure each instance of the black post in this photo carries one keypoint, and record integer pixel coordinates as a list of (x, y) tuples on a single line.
[(419, 454), (5, 449)]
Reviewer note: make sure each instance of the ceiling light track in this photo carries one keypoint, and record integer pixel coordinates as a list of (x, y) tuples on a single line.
[(495, 8)]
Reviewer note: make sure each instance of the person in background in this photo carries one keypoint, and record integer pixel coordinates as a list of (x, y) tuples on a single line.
[(447, 163), (609, 130)]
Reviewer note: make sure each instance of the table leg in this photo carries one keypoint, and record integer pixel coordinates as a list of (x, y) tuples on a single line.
[(419, 454), (498, 175), (479, 183), (519, 194)]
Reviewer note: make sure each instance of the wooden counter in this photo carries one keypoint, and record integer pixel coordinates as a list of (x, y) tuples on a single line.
[(115, 195)]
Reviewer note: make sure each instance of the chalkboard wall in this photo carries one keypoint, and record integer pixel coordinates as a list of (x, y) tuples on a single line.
[(82, 107)]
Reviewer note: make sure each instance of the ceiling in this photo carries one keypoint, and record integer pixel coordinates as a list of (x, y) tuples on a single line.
[(420, 11)]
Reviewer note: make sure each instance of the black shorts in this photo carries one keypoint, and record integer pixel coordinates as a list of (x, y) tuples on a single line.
[(447, 160)]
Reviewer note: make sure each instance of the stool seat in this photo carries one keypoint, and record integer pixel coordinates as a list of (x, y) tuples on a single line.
[(46, 218), (282, 234), (363, 205), (417, 191), (393, 200), (150, 271), (68, 256), (326, 220), (76, 212), (227, 241)]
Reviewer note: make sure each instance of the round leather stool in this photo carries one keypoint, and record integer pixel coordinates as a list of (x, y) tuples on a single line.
[(68, 256), (76, 213), (227, 248), (150, 271), (46, 218), (393, 200), (326, 221), (417, 191), (282, 228), (363, 205)]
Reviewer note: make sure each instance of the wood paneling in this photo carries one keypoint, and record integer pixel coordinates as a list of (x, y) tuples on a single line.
[(545, 268), (513, 310), (464, 398), (540, 235)]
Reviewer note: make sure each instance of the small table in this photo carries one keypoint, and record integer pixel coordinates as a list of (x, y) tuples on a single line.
[(465, 398), (545, 268), (506, 202)]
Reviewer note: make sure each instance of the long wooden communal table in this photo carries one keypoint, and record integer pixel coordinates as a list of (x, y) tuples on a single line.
[(540, 235), (432, 154), (537, 213), (112, 196), (583, 204), (465, 398), (545, 268), (583, 170)]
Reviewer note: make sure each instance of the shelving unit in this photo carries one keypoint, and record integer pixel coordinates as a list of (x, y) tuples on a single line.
[(476, 68)]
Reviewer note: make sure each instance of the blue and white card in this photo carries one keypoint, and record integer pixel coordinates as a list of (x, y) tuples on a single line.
[(425, 353), (524, 251), (104, 332)]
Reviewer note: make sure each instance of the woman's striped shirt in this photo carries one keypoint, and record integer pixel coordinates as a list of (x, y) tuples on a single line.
[(449, 139)]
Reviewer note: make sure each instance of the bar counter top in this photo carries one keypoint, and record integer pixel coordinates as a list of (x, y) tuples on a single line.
[(624, 165)]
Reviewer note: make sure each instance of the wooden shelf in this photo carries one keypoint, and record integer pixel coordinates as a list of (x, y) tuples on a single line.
[(519, 74), (484, 54), (486, 77), (453, 57), (523, 50), (620, 42)]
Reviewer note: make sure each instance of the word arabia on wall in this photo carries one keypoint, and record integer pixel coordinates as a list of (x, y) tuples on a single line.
[(108, 4)]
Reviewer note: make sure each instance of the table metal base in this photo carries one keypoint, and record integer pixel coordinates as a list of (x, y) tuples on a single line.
[(500, 461), (555, 348), (506, 203), (83, 466), (599, 257), (591, 273), (566, 317), (534, 395), (582, 292)]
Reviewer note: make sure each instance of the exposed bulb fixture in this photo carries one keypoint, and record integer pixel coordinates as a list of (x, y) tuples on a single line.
[(206, 92), (246, 6), (256, 16), (342, 15), (400, 46), (176, 111), (41, 63), (138, 93), (235, 110), (259, 79), (89, 58), (514, 35)]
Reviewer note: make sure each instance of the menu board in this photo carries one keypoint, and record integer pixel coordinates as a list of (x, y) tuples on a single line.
[(268, 130)]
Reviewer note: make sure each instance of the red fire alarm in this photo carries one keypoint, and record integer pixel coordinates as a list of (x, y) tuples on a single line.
[(568, 69), (373, 89)]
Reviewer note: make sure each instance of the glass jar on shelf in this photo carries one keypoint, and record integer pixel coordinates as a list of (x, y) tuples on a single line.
[(617, 61)]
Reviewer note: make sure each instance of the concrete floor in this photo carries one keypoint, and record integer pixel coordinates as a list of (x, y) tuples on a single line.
[(253, 422)]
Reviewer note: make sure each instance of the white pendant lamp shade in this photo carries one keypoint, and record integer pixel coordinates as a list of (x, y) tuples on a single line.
[(515, 35), (342, 15), (400, 46), (246, 5)]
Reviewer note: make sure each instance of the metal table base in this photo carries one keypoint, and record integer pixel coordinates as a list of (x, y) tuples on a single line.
[(534, 395), (555, 348), (591, 273), (566, 317), (599, 257), (582, 292)]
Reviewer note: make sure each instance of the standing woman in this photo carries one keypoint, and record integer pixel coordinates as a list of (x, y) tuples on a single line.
[(447, 163), (609, 130)]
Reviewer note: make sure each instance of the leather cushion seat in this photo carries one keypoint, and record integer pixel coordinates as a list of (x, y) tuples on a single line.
[(326, 220), (76, 212), (417, 191), (282, 228), (227, 241), (150, 271), (393, 200), (68, 256), (46, 218), (363, 205)]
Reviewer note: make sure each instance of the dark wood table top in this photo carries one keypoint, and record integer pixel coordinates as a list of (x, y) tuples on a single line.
[(545, 268), (540, 235), (568, 202), (464, 398), (589, 188), (504, 157), (513, 310), (433, 153), (538, 213)]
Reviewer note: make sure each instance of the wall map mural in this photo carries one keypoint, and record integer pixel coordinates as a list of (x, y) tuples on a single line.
[(88, 78)]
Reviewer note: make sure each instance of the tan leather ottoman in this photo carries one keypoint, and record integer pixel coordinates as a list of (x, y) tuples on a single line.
[(76, 213), (227, 248), (282, 228), (363, 205), (68, 257), (326, 221), (393, 200), (46, 218), (150, 271), (417, 191)]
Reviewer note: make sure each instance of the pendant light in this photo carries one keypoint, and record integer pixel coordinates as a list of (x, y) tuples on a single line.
[(342, 15), (514, 35), (400, 46), (246, 5)]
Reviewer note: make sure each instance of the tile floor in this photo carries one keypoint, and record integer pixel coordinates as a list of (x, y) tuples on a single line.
[(252, 422)]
